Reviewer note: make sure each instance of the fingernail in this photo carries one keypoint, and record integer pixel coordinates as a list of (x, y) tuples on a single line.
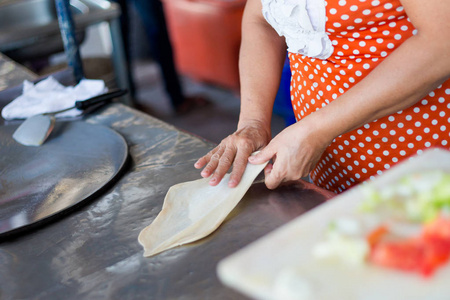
[(232, 183)]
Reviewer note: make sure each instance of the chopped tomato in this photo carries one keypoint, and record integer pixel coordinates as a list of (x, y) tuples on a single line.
[(403, 255), (423, 254), (439, 228), (376, 235)]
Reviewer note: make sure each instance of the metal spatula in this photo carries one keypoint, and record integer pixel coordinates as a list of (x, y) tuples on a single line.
[(35, 129)]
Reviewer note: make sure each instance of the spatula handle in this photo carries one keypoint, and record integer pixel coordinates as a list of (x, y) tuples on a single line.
[(100, 98)]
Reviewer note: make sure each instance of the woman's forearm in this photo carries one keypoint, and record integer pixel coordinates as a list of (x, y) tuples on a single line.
[(413, 70), (261, 61), (408, 74)]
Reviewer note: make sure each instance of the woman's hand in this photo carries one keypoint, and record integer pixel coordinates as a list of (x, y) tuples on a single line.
[(294, 152), (234, 151), (259, 73)]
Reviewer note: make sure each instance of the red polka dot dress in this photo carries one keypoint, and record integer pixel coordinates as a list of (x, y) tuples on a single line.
[(363, 33)]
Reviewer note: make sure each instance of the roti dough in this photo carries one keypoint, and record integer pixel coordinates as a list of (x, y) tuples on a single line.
[(194, 209)]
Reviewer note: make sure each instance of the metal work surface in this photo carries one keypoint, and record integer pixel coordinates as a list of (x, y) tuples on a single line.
[(40, 183), (12, 74), (93, 253)]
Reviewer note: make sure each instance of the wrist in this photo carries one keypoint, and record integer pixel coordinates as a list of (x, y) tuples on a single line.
[(260, 126), (318, 130), (255, 118)]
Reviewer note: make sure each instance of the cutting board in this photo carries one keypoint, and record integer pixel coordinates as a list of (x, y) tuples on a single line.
[(265, 268)]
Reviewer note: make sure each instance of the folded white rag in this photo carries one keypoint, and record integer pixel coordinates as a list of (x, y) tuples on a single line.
[(49, 95)]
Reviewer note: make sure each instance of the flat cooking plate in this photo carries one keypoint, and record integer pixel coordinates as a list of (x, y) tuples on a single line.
[(40, 183)]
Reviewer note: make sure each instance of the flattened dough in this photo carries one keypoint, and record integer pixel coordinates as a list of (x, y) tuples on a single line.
[(192, 210)]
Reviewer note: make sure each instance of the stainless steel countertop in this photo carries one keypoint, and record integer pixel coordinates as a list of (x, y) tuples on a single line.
[(93, 252), (12, 74)]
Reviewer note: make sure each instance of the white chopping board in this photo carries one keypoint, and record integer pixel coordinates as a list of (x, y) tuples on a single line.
[(258, 269)]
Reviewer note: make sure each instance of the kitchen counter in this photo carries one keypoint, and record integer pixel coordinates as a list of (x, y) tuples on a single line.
[(12, 74), (93, 252)]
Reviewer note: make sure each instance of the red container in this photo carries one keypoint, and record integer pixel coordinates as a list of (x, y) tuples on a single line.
[(206, 36)]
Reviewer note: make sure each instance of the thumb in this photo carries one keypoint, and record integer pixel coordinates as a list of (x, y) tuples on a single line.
[(262, 156)]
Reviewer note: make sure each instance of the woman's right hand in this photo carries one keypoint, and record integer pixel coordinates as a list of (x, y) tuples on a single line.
[(234, 151)]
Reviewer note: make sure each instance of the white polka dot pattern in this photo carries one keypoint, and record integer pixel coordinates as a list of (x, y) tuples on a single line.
[(363, 33)]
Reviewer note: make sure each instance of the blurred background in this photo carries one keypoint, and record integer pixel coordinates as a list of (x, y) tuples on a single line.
[(113, 37)]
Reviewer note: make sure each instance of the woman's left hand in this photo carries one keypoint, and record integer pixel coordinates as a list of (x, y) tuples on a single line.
[(294, 152)]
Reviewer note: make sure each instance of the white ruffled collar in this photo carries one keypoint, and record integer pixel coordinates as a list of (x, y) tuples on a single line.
[(302, 23)]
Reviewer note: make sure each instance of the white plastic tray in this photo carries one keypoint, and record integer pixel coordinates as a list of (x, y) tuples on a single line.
[(256, 269)]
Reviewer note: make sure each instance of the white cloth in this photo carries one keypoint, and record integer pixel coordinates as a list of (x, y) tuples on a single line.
[(49, 95), (302, 23)]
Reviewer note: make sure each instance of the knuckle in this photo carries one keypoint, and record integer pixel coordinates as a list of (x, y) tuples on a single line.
[(229, 140), (215, 157), (277, 177), (222, 146), (245, 146), (208, 168), (209, 155), (270, 184), (220, 170), (226, 160), (244, 142), (293, 178)]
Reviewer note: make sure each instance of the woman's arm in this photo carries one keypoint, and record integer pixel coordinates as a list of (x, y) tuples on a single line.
[(413, 70), (261, 61), (409, 73)]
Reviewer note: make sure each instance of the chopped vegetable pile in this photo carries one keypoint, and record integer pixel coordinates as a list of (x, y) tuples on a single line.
[(411, 232), (418, 197)]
